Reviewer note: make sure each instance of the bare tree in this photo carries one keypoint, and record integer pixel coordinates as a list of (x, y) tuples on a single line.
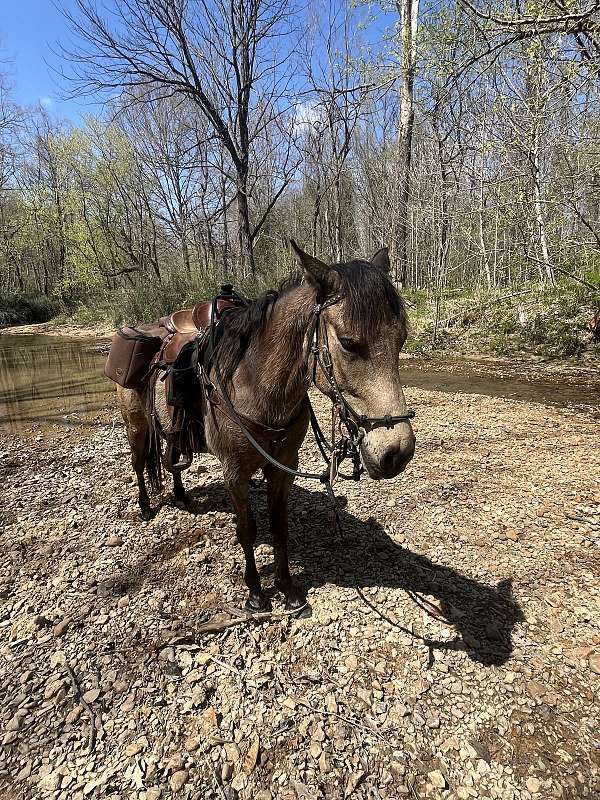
[(408, 11), (226, 56)]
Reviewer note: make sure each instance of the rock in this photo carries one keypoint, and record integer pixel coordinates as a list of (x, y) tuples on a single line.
[(536, 690), (595, 663), (62, 627), (57, 658), (353, 781), (251, 755), (153, 793), (239, 782), (437, 779), (133, 749), (178, 780), (226, 771), (41, 622), (51, 782), (114, 541), (534, 785), (192, 744), (209, 715), (324, 766), (91, 695), (315, 749), (511, 534), (14, 723), (73, 715)]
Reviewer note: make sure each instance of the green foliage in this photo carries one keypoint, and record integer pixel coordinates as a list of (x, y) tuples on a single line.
[(20, 309), (545, 322)]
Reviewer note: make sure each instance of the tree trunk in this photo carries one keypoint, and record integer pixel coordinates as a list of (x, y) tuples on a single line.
[(245, 250), (539, 210), (409, 12)]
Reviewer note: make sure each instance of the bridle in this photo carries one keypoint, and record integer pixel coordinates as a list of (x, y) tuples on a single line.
[(348, 426)]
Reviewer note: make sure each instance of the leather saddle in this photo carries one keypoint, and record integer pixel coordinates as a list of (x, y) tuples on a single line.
[(183, 326)]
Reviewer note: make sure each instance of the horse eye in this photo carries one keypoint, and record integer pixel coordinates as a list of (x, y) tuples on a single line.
[(349, 345)]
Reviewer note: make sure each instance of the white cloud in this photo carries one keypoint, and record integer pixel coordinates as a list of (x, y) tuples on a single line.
[(305, 116), (46, 102)]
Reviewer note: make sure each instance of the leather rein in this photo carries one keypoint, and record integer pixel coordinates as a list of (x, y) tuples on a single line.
[(346, 422)]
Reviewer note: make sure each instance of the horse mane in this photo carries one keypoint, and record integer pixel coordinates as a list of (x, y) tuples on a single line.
[(371, 300)]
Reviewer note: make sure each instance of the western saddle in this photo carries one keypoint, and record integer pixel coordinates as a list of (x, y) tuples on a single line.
[(173, 350), (181, 327)]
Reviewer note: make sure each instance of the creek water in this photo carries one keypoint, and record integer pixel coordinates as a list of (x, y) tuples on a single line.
[(46, 381)]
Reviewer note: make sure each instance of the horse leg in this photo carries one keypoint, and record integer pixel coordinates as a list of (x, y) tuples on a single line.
[(179, 490), (246, 534), (279, 484), (178, 487), (139, 445)]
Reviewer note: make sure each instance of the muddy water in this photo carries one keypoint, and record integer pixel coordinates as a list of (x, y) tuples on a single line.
[(50, 381)]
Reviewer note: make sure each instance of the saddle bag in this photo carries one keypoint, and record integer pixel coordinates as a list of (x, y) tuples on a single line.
[(129, 357)]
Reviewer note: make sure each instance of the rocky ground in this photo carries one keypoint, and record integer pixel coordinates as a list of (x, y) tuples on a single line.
[(453, 649)]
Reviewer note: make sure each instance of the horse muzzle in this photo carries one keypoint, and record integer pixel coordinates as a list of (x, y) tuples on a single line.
[(388, 461)]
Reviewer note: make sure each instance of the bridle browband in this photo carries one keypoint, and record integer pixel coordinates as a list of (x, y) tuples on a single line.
[(349, 423)]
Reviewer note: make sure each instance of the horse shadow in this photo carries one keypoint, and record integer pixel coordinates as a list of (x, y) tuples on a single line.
[(359, 554)]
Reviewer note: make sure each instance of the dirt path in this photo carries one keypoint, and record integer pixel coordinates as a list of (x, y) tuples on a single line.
[(453, 650)]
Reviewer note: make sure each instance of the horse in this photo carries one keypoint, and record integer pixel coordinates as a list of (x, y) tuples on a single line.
[(267, 359)]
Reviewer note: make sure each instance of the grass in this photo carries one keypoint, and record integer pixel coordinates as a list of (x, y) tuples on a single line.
[(529, 319)]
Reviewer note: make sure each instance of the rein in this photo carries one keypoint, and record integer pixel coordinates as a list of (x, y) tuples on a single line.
[(350, 424)]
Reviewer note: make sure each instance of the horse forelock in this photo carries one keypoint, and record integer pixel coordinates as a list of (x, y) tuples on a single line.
[(370, 298)]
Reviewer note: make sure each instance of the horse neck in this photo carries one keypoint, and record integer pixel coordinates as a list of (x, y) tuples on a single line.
[(278, 360)]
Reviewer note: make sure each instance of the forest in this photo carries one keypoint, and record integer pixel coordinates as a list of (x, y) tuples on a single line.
[(462, 135)]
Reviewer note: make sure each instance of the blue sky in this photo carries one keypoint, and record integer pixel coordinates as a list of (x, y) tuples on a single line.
[(29, 31)]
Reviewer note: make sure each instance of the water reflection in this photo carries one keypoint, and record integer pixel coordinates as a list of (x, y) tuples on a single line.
[(516, 380), (50, 380)]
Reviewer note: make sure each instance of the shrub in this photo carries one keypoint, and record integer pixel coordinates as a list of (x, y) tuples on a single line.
[(20, 309)]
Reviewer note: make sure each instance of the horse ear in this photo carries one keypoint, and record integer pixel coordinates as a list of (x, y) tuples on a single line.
[(316, 271), (381, 259)]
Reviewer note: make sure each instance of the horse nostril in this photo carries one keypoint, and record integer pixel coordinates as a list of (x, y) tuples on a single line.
[(389, 462), (395, 459)]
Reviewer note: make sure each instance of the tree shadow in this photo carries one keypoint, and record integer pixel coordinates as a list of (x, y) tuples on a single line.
[(361, 555)]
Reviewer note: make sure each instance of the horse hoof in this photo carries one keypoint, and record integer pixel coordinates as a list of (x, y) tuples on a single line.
[(302, 611), (181, 504), (146, 513), (257, 604)]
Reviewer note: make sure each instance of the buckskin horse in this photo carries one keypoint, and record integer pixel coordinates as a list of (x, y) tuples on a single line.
[(340, 327)]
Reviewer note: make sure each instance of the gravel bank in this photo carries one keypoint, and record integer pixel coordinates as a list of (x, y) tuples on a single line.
[(453, 649)]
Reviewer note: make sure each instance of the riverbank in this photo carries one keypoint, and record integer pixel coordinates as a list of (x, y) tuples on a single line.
[(453, 649), (71, 330)]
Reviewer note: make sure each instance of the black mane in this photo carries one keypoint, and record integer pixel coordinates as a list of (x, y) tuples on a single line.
[(371, 299)]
